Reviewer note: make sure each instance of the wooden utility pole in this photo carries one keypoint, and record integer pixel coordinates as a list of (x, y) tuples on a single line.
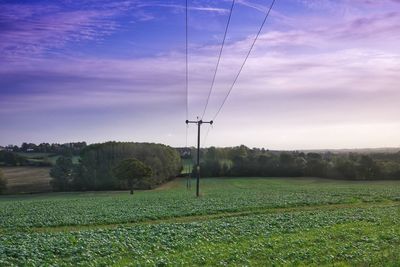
[(199, 123)]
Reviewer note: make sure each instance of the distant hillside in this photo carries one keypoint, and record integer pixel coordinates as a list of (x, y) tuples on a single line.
[(390, 150)]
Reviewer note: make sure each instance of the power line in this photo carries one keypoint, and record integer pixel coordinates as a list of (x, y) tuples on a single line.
[(219, 59), (247, 56), (187, 64), (199, 121)]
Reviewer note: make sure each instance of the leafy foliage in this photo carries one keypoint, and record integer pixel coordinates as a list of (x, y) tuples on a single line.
[(242, 161), (95, 168), (11, 159), (305, 234), (62, 174), (220, 195), (64, 149), (134, 172)]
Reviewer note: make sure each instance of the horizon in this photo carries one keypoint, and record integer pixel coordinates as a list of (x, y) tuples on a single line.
[(322, 74), (182, 147)]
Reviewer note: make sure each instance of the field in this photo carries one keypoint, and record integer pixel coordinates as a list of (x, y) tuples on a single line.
[(235, 222), (27, 179), (37, 157)]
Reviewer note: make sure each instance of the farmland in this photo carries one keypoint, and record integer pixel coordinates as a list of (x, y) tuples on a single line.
[(26, 179), (44, 158), (235, 222)]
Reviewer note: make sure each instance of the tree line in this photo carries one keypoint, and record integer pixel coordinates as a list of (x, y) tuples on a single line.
[(96, 169), (245, 162), (68, 148), (8, 158)]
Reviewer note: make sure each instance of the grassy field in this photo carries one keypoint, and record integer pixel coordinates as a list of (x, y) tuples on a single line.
[(235, 222), (27, 179), (36, 157)]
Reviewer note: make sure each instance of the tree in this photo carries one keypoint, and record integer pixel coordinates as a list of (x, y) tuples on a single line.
[(367, 168), (132, 171), (62, 174), (316, 166), (3, 183), (390, 170), (210, 168), (346, 168), (12, 159), (98, 161)]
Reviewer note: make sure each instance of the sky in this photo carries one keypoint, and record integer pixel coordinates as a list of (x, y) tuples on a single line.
[(323, 73)]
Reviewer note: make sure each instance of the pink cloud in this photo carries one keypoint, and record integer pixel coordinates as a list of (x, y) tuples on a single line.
[(317, 75)]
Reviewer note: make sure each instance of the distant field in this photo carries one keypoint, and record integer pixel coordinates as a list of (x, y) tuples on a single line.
[(237, 221), (27, 179), (45, 157), (35, 154)]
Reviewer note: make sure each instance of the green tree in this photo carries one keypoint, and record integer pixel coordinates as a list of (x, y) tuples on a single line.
[(98, 161), (3, 183), (62, 174), (210, 168), (346, 168), (316, 166), (367, 168), (390, 170), (132, 171), (212, 154)]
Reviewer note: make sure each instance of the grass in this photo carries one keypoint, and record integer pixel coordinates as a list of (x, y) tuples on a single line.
[(36, 157), (238, 221), (27, 179)]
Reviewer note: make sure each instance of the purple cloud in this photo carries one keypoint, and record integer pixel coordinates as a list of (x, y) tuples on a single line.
[(311, 74), (30, 29)]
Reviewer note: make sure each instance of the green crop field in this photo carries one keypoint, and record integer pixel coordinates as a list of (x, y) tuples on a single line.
[(235, 222)]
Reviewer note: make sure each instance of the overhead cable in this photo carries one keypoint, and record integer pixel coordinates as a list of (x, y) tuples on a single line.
[(219, 59), (245, 60)]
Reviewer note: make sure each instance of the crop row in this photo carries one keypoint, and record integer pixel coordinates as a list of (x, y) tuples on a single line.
[(227, 195), (355, 236)]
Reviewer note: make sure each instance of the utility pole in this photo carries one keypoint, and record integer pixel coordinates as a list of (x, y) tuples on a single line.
[(199, 123)]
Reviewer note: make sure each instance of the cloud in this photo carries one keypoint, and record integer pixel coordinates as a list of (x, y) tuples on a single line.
[(385, 25), (314, 73), (182, 7), (255, 6), (29, 30), (32, 29)]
